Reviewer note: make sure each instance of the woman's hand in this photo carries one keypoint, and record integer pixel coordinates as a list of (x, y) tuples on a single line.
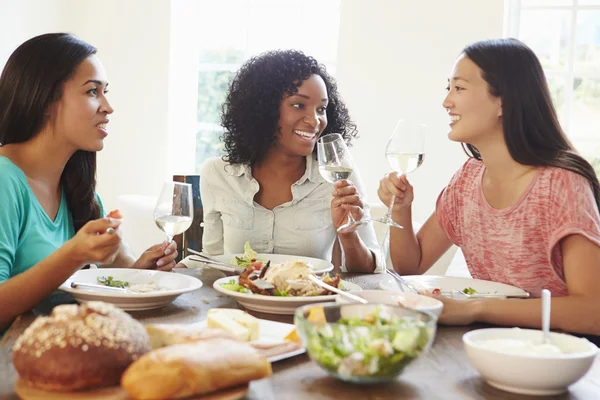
[(160, 256), (457, 312), (346, 201), (97, 242), (394, 185)]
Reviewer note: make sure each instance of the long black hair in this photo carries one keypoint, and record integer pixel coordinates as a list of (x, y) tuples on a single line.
[(532, 132), (30, 84), (250, 113)]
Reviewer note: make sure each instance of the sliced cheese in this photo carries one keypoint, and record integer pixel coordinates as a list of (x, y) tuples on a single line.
[(237, 322)]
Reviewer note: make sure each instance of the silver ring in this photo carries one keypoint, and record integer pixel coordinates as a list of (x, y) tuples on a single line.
[(110, 230)]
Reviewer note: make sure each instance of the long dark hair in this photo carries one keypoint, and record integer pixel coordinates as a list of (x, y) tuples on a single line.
[(30, 84), (250, 113), (532, 132)]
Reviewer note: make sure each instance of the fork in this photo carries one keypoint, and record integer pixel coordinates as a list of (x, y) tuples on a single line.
[(402, 281), (209, 260)]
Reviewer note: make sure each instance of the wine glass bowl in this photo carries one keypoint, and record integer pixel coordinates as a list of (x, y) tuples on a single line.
[(174, 210), (405, 152), (335, 164)]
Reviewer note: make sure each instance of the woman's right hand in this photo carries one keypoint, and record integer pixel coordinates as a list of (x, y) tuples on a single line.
[(394, 185), (95, 243)]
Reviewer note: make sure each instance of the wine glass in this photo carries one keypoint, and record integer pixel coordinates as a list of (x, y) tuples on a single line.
[(174, 210), (405, 152), (335, 163)]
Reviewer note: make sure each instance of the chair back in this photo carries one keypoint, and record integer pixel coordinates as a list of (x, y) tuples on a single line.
[(192, 238)]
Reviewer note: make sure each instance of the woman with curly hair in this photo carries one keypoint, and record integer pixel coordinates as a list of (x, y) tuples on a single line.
[(267, 189)]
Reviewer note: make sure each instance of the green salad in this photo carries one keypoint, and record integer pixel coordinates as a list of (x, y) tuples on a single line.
[(375, 346), (469, 290), (234, 286), (248, 258), (110, 281)]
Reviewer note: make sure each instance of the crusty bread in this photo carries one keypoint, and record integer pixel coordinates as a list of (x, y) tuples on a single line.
[(162, 335), (79, 347), (190, 369)]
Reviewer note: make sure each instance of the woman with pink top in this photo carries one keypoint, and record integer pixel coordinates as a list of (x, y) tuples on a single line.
[(523, 208)]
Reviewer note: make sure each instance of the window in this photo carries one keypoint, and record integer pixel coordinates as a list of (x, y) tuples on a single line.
[(231, 31), (565, 34)]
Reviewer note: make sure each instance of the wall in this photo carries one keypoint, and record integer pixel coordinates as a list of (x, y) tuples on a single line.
[(394, 58)]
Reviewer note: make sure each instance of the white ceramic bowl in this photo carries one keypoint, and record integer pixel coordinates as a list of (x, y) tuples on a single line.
[(408, 300), (530, 374)]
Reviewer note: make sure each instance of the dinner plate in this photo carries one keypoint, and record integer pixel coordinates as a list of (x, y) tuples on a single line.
[(172, 283), (319, 266), (275, 304), (271, 332), (453, 283)]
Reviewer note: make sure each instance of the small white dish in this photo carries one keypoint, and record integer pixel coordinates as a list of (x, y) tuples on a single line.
[(275, 304), (408, 300), (172, 283), (319, 266), (270, 332), (541, 375)]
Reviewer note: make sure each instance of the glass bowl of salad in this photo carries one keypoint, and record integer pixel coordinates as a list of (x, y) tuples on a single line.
[(364, 343)]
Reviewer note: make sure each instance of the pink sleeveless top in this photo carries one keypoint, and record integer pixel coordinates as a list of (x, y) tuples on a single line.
[(519, 245)]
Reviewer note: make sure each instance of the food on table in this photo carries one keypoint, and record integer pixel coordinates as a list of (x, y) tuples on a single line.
[(377, 345), (162, 335), (436, 291), (193, 369), (138, 287), (521, 347), (237, 322), (79, 347), (293, 336), (469, 290), (287, 279), (249, 258), (110, 281)]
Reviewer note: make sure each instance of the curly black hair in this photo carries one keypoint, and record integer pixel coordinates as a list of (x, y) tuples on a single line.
[(250, 113)]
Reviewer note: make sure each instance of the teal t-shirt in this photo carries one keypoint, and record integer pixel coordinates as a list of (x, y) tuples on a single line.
[(27, 233)]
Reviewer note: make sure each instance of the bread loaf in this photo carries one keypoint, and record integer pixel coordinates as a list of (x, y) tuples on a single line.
[(79, 347), (190, 369), (162, 335)]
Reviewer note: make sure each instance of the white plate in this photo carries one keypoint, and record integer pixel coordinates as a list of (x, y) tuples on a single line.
[(271, 332), (175, 284), (319, 266), (452, 283), (275, 304)]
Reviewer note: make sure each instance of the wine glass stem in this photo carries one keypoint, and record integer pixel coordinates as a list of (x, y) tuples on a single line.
[(388, 216), (169, 239)]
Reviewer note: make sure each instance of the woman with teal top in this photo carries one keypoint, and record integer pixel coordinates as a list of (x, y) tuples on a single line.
[(53, 117)]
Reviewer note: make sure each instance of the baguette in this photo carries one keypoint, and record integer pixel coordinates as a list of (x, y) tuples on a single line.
[(190, 369)]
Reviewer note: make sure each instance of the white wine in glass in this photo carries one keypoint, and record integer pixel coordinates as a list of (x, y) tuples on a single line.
[(174, 210), (405, 152), (335, 164)]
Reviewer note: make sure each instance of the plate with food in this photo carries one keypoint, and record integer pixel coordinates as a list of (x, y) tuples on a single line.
[(129, 289), (239, 262), (457, 287), (280, 288)]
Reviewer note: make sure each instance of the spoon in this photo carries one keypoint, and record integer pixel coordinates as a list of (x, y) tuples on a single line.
[(546, 315), (324, 285)]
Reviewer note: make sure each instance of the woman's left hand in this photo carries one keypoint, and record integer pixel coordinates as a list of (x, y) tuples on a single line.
[(456, 312), (346, 201), (160, 256)]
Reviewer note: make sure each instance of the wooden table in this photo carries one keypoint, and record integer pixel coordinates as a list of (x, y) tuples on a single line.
[(442, 373)]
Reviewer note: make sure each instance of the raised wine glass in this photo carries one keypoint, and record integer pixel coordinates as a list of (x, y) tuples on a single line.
[(174, 210)]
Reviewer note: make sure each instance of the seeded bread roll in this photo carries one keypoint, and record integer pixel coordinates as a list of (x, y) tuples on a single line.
[(79, 347)]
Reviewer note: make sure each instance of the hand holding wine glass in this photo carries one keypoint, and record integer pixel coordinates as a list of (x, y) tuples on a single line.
[(336, 164), (174, 210)]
